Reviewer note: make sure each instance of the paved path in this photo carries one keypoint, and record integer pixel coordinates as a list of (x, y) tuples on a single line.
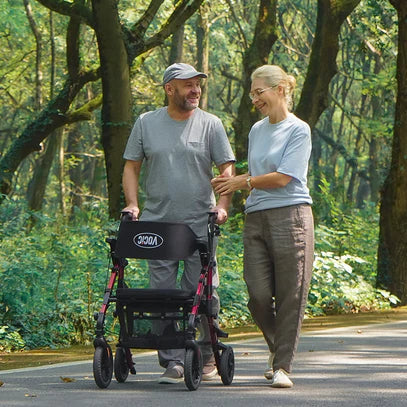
[(356, 366)]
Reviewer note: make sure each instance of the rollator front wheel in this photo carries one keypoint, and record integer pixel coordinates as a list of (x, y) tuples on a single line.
[(103, 366), (193, 368), (121, 368), (227, 366)]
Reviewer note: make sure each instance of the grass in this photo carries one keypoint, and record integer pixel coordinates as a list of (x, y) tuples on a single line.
[(41, 357)]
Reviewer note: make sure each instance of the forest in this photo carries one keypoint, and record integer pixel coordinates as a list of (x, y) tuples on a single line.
[(74, 76)]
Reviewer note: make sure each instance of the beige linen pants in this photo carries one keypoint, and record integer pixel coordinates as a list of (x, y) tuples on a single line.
[(278, 259)]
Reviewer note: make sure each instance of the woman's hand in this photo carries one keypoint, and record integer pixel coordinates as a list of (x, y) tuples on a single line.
[(225, 185)]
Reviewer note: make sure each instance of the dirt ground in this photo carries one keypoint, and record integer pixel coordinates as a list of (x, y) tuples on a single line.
[(41, 357)]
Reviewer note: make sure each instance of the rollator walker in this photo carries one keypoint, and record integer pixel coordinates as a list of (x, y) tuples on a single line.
[(143, 312)]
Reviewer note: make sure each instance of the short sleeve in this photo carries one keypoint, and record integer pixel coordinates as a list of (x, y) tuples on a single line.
[(296, 156), (134, 148), (221, 151)]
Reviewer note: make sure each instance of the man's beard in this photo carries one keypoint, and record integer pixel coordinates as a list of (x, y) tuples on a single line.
[(184, 103)]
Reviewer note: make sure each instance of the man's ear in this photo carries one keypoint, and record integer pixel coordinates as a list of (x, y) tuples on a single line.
[(169, 89)]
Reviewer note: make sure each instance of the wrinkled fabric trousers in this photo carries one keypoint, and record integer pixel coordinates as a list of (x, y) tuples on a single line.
[(163, 275), (278, 260)]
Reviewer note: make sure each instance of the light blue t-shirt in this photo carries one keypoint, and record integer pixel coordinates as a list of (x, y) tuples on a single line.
[(284, 147)]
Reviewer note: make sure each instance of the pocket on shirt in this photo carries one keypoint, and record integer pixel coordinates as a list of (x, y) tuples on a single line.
[(197, 153)]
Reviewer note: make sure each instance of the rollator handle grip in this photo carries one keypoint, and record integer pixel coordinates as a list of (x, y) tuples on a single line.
[(126, 216)]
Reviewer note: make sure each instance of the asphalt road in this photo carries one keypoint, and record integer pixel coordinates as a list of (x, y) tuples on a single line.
[(356, 366)]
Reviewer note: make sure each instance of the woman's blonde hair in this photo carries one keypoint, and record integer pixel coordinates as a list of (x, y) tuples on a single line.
[(273, 75)]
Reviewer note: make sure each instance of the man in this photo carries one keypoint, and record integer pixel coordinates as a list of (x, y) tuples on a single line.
[(178, 143)]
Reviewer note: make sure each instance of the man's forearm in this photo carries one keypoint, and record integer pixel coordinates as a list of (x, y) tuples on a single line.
[(131, 175), (224, 201), (130, 186)]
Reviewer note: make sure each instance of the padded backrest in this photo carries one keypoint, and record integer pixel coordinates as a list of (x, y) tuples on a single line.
[(155, 240)]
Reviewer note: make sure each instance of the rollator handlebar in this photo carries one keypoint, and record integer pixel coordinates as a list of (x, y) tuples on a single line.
[(126, 216)]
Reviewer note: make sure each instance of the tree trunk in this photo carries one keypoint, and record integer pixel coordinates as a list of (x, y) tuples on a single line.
[(176, 49), (61, 171), (38, 183), (202, 39), (257, 54), (98, 187), (177, 44), (116, 110), (356, 149), (322, 66), (38, 55), (375, 182), (75, 170), (316, 159), (392, 253), (37, 186)]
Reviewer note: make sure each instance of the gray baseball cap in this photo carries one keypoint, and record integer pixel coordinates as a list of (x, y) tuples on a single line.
[(181, 71)]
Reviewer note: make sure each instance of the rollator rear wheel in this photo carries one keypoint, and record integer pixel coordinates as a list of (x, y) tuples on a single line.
[(227, 366), (103, 366), (193, 368), (121, 368)]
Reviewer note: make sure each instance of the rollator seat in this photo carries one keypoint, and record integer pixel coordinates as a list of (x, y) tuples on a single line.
[(152, 294)]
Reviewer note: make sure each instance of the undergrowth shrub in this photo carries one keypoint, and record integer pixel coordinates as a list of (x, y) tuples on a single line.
[(10, 341), (54, 273)]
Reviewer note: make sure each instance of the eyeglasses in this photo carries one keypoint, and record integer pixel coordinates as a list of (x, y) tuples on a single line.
[(258, 92)]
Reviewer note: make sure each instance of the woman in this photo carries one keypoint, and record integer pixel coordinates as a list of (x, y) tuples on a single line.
[(279, 232)]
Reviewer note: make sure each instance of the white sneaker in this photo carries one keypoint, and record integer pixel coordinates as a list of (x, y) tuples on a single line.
[(172, 375), (281, 379), (209, 370), (209, 373), (268, 373)]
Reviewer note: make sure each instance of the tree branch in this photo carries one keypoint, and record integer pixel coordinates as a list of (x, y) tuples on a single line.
[(139, 29), (67, 8), (352, 161), (51, 118), (182, 12), (85, 111), (239, 26), (73, 47)]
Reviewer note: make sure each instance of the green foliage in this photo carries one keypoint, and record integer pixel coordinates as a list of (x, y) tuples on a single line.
[(344, 275), (232, 290), (10, 341), (54, 273), (340, 286), (52, 276)]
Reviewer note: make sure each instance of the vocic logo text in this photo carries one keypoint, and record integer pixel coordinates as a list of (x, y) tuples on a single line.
[(148, 240)]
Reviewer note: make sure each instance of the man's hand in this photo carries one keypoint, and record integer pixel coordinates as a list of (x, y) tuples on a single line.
[(134, 210), (222, 214)]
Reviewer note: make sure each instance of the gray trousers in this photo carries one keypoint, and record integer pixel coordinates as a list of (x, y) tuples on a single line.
[(278, 260), (163, 274)]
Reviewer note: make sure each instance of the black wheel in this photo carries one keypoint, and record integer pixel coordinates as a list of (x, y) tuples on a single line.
[(227, 366), (193, 368), (103, 366), (121, 368)]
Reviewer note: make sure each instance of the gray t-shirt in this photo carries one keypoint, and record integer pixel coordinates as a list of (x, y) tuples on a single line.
[(283, 147), (178, 158)]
